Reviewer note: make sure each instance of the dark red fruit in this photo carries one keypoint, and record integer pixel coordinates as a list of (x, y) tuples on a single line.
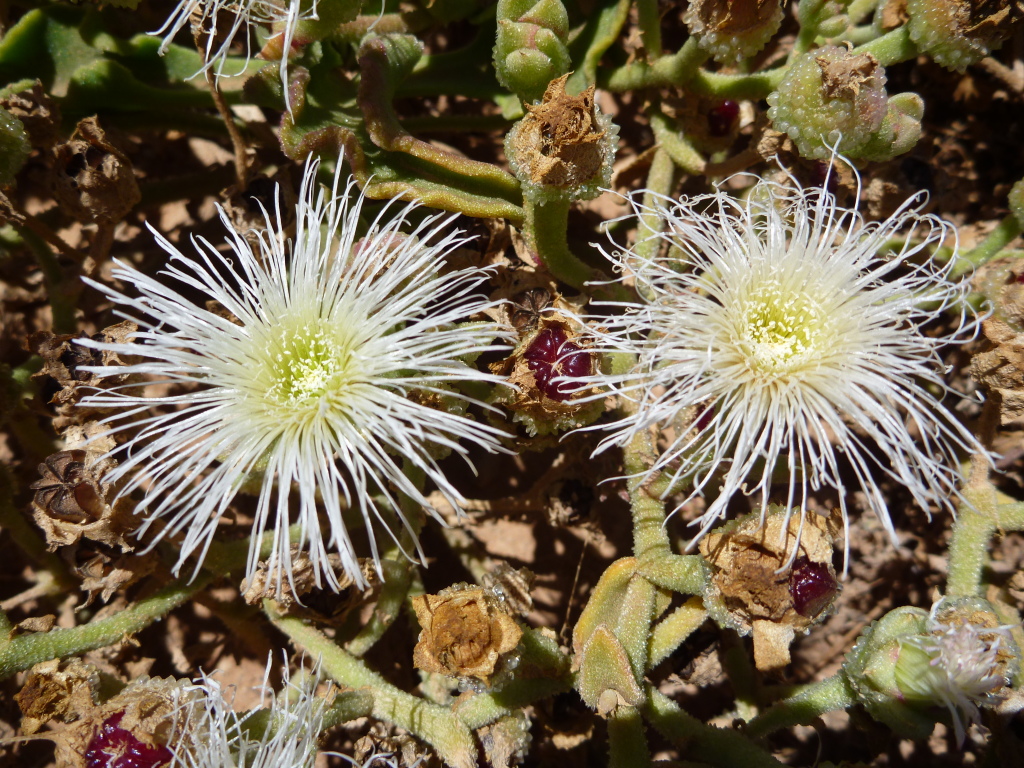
[(550, 356), (114, 747), (705, 413), (722, 118), (812, 587)]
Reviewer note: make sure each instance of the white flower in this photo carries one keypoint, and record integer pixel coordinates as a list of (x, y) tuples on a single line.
[(956, 665), (318, 383), (209, 733), (222, 21), (794, 328)]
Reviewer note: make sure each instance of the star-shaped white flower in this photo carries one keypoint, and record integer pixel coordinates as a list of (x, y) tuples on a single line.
[(793, 329), (338, 362)]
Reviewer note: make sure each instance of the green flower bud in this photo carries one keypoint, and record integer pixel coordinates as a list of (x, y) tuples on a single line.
[(531, 50), (958, 33), (564, 147), (1017, 202), (900, 131), (14, 146), (733, 30), (831, 99), (871, 671), (964, 657)]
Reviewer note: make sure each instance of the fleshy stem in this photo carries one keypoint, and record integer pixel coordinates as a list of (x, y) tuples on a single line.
[(891, 48), (541, 655), (676, 146), (648, 19), (803, 707), (451, 739), (23, 652), (650, 541), (627, 742), (397, 571), (674, 629), (545, 228), (676, 69), (989, 248), (716, 746)]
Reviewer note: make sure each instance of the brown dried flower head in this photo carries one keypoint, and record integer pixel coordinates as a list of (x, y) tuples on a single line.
[(300, 592), (64, 361), (753, 591), (70, 502), (466, 632), (94, 180), (733, 30), (57, 690), (563, 148)]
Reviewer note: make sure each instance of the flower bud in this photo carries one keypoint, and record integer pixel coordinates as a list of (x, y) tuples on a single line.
[(870, 670), (733, 30), (958, 33), (900, 131), (831, 99), (752, 591), (564, 147), (962, 660), (531, 50)]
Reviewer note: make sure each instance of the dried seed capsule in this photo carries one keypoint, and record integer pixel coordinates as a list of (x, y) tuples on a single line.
[(564, 147), (467, 633), (733, 30), (958, 33), (753, 592)]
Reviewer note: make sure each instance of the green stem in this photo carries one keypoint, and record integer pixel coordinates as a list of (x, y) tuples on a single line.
[(23, 652), (716, 746), (976, 523), (627, 741), (1010, 517), (545, 227), (348, 706), (648, 19), (891, 48), (448, 735), (676, 69), (397, 579), (600, 33), (810, 703), (544, 672), (63, 293), (650, 540), (672, 631), (1000, 237), (753, 86), (676, 146)]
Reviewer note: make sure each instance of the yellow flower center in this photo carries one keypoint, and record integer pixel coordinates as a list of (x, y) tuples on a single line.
[(782, 330)]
